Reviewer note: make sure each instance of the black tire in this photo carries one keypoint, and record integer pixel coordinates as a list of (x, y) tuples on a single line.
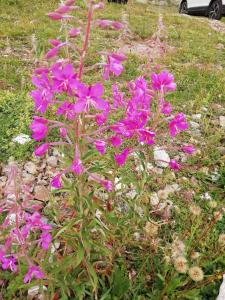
[(215, 10), (183, 9)]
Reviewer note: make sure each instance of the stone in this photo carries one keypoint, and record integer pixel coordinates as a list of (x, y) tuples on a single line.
[(221, 150), (28, 178), (161, 157), (131, 194), (52, 161), (221, 295), (206, 196), (222, 121), (196, 117), (33, 292), (220, 46), (172, 188), (139, 168), (194, 125), (41, 193), (154, 199), (30, 167)]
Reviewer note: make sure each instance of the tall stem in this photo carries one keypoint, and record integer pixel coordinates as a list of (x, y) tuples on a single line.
[(85, 45)]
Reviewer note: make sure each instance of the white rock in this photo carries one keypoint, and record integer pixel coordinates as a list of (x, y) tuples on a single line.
[(34, 291), (139, 168), (56, 152), (21, 139), (131, 194), (221, 295), (154, 199), (161, 157), (139, 210), (137, 236), (30, 167), (206, 196), (196, 117), (215, 176), (172, 188), (28, 178), (118, 184), (149, 167), (52, 161), (98, 214), (194, 125), (222, 121)]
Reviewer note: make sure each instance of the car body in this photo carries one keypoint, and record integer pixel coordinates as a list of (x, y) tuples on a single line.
[(212, 8)]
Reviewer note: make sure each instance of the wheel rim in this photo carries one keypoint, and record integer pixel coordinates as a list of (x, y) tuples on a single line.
[(214, 10), (184, 9)]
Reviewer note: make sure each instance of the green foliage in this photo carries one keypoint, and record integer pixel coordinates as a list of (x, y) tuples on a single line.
[(15, 117)]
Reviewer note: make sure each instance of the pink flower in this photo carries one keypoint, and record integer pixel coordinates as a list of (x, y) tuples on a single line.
[(189, 149), (116, 141), (40, 71), (100, 146), (45, 239), (77, 166), (146, 136), (9, 263), (163, 81), (121, 158), (56, 182), (63, 9), (166, 108), (174, 165), (64, 78), (39, 128), (103, 23), (52, 53), (107, 184), (102, 118), (117, 25), (55, 42), (90, 96), (178, 124), (41, 150), (66, 109), (63, 132), (114, 65), (2, 254), (55, 16), (34, 221), (118, 97), (99, 5), (33, 271), (74, 32), (43, 95)]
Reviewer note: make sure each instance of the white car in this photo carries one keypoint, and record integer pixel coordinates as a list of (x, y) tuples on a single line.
[(214, 9)]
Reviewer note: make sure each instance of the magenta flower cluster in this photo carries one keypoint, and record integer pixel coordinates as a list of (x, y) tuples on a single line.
[(24, 227), (84, 115)]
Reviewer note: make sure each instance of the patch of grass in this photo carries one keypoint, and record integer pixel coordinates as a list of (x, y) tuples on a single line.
[(15, 117)]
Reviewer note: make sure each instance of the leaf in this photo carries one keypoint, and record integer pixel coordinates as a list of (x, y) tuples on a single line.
[(121, 283), (93, 276), (173, 284), (79, 256)]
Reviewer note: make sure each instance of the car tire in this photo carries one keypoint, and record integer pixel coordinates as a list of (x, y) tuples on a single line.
[(183, 7), (215, 10)]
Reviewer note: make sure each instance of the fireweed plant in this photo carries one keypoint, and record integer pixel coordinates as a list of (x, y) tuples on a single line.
[(96, 134)]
